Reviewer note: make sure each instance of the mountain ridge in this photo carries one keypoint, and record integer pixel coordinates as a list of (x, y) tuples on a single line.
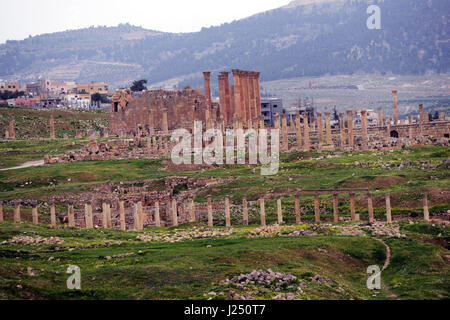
[(304, 38)]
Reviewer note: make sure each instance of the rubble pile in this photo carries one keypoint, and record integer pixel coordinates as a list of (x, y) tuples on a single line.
[(38, 240), (185, 235)]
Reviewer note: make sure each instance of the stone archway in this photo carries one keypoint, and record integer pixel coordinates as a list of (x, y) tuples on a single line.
[(394, 134)]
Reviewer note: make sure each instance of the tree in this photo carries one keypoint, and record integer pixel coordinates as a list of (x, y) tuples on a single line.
[(139, 85), (335, 114), (97, 98)]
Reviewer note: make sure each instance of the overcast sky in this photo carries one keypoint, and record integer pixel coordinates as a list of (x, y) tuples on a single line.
[(21, 18)]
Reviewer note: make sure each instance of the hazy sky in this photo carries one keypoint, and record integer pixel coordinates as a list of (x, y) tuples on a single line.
[(21, 18)]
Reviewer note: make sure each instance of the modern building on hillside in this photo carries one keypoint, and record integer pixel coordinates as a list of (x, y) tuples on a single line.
[(9, 86), (269, 107)]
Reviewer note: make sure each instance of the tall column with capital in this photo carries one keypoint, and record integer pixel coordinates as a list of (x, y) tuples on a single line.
[(365, 137), (320, 129), (351, 137), (207, 87), (237, 94), (380, 117), (342, 130), (307, 146), (394, 98), (328, 128)]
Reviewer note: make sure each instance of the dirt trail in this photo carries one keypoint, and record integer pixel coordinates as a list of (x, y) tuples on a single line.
[(26, 165), (386, 265)]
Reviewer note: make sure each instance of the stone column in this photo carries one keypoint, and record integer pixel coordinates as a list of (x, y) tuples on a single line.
[(307, 146), (104, 218), (192, 211), (245, 210), (71, 214), (317, 207), (227, 212), (279, 210), (157, 215), (298, 128), (298, 217), (245, 96), (229, 112), (34, 213), (285, 146), (335, 207), (328, 128), (88, 215), (426, 212), (52, 127), (123, 224), (141, 216), (237, 94), (222, 96), (351, 137), (165, 124), (365, 138), (388, 209), (380, 117), (342, 130), (410, 119), (210, 213), (394, 97), (320, 129), (136, 215), (207, 82), (228, 96), (276, 119), (12, 129), (174, 213), (258, 92), (352, 206), (107, 215), (388, 127), (252, 89), (1, 211), (261, 122), (262, 211), (17, 217), (370, 207), (421, 116), (426, 117), (52, 214)]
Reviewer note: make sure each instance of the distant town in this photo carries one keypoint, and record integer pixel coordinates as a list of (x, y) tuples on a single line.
[(46, 93)]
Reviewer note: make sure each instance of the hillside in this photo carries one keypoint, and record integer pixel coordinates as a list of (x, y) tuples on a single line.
[(305, 38)]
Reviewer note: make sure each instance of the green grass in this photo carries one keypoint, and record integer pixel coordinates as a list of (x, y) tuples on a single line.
[(406, 185), (189, 269), (33, 123), (15, 153)]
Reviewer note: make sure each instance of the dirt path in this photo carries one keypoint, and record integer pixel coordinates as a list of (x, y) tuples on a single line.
[(26, 165), (386, 265), (388, 255)]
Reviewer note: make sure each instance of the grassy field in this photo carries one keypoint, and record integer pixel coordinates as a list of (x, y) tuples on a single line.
[(32, 123), (406, 184), (193, 268)]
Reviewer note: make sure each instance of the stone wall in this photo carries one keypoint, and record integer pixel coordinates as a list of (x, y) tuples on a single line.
[(151, 108)]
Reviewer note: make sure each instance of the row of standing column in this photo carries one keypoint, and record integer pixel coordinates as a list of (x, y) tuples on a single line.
[(138, 213)]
